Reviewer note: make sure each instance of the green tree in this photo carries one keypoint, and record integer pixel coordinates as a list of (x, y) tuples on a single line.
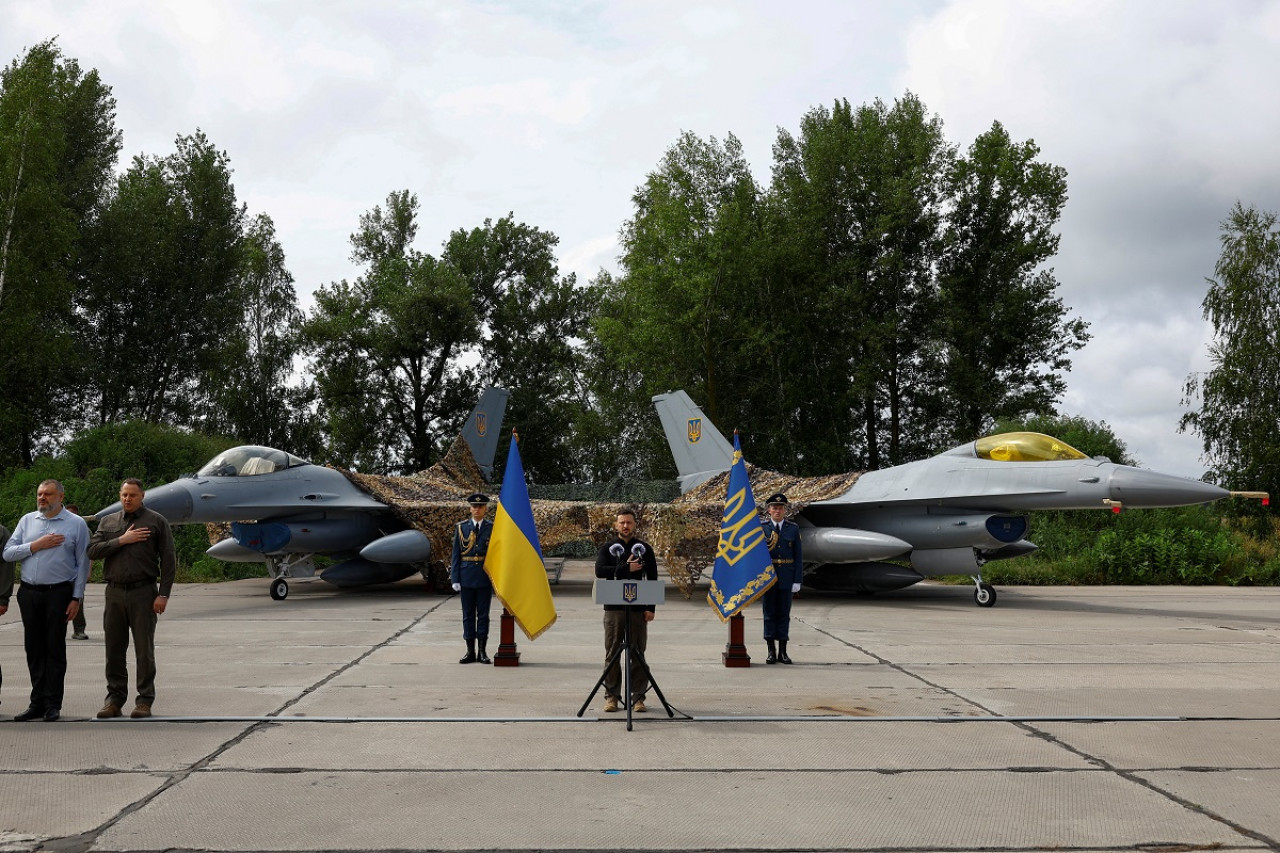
[(163, 295), (1240, 394), (382, 347), (531, 322), (58, 147), (690, 309), (258, 401), (1006, 335), (860, 194)]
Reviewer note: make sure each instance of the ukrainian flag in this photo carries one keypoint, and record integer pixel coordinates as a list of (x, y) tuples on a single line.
[(514, 559), (743, 569)]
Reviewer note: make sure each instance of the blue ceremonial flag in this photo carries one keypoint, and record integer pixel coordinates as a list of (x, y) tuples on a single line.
[(743, 569), (514, 559)]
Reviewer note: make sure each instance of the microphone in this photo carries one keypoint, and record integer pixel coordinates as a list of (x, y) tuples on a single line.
[(616, 550), (637, 551)]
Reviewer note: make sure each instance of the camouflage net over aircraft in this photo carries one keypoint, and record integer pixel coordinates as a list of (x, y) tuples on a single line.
[(685, 532)]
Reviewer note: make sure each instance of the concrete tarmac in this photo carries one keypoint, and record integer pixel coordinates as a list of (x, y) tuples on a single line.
[(1087, 719)]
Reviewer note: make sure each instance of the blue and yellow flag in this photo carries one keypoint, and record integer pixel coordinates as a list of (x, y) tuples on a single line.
[(514, 559), (743, 569)]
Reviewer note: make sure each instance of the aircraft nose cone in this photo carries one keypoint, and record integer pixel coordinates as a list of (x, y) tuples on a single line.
[(173, 501), (1136, 487)]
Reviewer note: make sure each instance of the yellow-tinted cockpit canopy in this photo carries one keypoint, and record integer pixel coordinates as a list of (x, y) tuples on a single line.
[(1025, 447)]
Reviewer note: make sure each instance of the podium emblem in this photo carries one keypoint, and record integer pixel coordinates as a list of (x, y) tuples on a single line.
[(630, 591)]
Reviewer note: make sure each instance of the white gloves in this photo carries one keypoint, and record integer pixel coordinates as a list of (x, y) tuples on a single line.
[(457, 587), (795, 587)]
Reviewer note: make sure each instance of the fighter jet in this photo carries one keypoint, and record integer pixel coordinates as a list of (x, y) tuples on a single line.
[(285, 511), (946, 515)]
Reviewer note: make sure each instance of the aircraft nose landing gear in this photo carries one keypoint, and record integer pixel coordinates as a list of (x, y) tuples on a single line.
[(279, 589), (984, 594)]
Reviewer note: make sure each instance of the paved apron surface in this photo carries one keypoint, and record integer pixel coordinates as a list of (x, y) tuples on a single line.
[(1062, 718)]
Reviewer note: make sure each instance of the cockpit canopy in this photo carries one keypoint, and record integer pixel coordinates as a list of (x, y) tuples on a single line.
[(1024, 447), (249, 461)]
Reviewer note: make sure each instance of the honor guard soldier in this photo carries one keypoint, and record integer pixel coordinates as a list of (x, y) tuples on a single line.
[(783, 539), (466, 570)]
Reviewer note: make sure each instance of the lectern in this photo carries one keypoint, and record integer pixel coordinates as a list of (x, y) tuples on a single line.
[(629, 594)]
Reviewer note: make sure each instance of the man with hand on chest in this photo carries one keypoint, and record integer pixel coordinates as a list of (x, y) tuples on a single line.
[(137, 553)]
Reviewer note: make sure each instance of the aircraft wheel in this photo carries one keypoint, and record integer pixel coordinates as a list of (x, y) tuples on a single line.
[(279, 589), (985, 595)]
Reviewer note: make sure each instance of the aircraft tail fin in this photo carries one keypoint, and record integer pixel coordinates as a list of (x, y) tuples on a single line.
[(700, 450), (484, 427)]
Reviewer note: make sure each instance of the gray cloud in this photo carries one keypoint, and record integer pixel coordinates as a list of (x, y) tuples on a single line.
[(557, 110)]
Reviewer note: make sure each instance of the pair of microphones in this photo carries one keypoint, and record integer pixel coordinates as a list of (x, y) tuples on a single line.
[(617, 549)]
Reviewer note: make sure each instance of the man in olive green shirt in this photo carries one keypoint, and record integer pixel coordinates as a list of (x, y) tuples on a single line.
[(136, 549)]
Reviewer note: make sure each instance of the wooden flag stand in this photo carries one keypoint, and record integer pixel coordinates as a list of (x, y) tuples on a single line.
[(507, 654), (735, 651)]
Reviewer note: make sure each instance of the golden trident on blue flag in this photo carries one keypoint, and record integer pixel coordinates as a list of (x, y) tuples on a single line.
[(743, 570)]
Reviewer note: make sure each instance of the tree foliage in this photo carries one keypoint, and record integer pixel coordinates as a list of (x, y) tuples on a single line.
[(1240, 394), (162, 292), (1005, 332), (58, 146), (884, 298)]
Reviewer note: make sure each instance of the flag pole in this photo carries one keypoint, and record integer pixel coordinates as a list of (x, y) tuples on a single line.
[(735, 651), (507, 655)]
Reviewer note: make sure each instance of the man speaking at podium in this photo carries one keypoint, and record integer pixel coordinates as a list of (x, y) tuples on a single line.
[(625, 557)]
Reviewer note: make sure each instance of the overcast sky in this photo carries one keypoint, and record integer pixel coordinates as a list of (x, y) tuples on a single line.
[(1163, 114)]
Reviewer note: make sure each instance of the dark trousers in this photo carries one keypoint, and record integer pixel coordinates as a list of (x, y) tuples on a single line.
[(639, 640), (80, 623), (475, 611), (44, 635), (128, 612), (776, 607)]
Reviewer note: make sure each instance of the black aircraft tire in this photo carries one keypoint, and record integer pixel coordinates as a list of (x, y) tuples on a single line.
[(985, 595), (279, 589)]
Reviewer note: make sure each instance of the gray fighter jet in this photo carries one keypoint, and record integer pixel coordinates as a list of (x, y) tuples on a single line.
[(946, 515), (285, 512)]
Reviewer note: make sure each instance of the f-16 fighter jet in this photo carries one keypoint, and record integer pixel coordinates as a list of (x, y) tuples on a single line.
[(285, 512), (946, 515)]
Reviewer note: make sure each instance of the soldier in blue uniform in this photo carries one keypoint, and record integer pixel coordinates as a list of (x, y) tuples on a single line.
[(783, 538), (466, 570)]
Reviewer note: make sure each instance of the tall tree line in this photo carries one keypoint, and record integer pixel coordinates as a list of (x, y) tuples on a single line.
[(884, 297), (885, 294)]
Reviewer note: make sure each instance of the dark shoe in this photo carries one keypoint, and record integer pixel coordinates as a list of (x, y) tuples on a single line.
[(31, 713), (79, 635), (109, 710), (773, 652), (481, 654), (51, 715), (142, 709), (470, 656), (782, 652)]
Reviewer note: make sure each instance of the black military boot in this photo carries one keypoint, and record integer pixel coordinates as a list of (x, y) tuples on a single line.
[(782, 652), (482, 656), (773, 652), (470, 656)]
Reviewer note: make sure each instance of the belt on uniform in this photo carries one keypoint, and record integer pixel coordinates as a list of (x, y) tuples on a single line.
[(131, 585), (473, 559), (58, 585), (783, 562)]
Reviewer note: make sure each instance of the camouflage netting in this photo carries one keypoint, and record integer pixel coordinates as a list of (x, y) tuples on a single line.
[(684, 532)]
